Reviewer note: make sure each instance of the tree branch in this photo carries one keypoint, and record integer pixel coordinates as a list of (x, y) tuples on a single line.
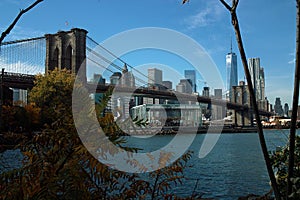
[(226, 5), (60, 167), (263, 145), (185, 1), (12, 25), (295, 108), (234, 4)]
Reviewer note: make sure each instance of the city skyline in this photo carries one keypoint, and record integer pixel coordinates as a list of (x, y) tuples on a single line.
[(266, 34)]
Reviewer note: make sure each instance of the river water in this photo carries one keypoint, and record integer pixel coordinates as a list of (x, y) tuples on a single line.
[(234, 168)]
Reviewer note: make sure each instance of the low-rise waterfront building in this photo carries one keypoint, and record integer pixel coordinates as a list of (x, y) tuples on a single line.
[(20, 96), (169, 114)]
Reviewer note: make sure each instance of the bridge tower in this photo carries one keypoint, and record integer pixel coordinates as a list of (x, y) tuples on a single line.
[(67, 49)]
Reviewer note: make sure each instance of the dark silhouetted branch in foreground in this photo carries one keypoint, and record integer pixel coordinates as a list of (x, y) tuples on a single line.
[(235, 23), (295, 107), (12, 25)]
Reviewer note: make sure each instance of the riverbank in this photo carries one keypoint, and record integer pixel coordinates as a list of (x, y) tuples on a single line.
[(172, 130)]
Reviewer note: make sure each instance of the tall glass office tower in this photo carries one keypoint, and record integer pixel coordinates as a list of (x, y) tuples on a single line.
[(257, 78), (231, 68), (191, 74)]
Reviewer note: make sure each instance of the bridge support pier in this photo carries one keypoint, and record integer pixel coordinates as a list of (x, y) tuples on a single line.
[(239, 118), (242, 118)]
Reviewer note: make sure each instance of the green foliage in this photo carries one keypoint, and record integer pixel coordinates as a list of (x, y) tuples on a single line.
[(57, 165), (21, 118), (280, 161), (53, 94)]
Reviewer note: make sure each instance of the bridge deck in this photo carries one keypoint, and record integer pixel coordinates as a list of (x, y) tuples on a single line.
[(25, 81)]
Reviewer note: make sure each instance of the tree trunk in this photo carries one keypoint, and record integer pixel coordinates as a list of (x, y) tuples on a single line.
[(263, 145), (295, 108)]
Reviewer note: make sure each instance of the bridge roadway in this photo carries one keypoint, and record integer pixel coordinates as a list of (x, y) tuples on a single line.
[(169, 94), (25, 81), (16, 80)]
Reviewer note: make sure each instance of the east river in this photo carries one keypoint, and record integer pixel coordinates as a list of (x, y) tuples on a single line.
[(234, 168)]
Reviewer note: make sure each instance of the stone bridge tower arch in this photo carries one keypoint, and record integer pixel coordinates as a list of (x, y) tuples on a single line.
[(67, 50)]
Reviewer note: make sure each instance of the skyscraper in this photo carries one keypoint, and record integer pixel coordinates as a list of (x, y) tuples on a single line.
[(231, 68), (254, 68), (278, 107), (97, 78), (262, 83), (154, 77), (218, 93), (218, 112), (167, 85), (286, 110), (191, 74), (184, 86), (257, 78)]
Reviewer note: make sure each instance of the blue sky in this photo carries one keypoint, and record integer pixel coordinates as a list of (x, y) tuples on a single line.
[(268, 30)]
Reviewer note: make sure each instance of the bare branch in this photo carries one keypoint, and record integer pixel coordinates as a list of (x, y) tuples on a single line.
[(295, 108), (235, 23), (12, 25), (234, 4), (226, 5)]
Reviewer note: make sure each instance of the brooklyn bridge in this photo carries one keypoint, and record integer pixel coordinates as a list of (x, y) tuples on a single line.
[(21, 60)]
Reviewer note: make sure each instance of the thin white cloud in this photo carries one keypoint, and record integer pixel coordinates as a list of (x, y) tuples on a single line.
[(23, 33), (209, 14), (291, 62), (216, 50), (201, 19)]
